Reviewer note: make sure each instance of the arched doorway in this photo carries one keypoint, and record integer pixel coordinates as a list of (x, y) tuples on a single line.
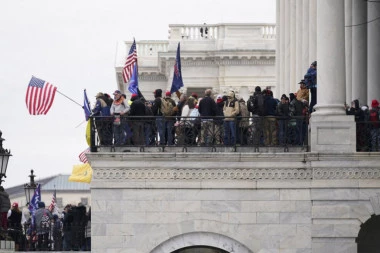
[(201, 242), (200, 249), (368, 239)]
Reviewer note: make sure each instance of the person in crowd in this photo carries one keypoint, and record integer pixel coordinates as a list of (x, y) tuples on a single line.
[(295, 111), (256, 107), (375, 125), (103, 124), (118, 109), (181, 103), (5, 205), (283, 113), (270, 133), (243, 123), (78, 225), (160, 121), (14, 223), (361, 129), (108, 99), (219, 119), (57, 233), (136, 113), (170, 120), (230, 111), (149, 124), (207, 111), (186, 131), (303, 92), (87, 245), (195, 95), (42, 221), (67, 227), (310, 79)]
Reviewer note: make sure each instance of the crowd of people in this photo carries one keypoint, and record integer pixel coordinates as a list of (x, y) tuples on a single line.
[(44, 230), (213, 119)]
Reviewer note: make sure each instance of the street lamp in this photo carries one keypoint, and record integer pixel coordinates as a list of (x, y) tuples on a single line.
[(4, 158), (31, 187)]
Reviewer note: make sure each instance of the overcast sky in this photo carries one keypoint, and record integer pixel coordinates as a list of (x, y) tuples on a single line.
[(72, 44)]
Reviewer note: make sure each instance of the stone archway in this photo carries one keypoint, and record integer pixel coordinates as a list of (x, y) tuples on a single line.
[(369, 234), (201, 239), (200, 249)]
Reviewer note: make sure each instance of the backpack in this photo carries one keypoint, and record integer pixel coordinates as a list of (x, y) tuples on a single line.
[(374, 117), (45, 221), (166, 107)]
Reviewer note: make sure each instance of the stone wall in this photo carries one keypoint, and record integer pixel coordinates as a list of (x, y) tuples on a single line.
[(238, 202)]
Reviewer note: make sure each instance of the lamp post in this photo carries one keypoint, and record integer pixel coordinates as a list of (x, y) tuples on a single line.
[(4, 158), (30, 187)]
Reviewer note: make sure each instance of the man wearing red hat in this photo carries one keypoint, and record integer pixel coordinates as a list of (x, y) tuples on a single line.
[(375, 126)]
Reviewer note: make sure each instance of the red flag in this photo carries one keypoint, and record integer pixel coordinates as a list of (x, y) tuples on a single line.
[(39, 96)]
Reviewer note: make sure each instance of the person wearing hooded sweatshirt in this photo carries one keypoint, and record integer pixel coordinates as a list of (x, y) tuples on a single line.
[(137, 111), (42, 220), (160, 121), (230, 111), (119, 108)]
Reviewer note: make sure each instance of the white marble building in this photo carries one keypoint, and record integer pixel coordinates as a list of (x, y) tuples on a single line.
[(235, 57), (326, 200)]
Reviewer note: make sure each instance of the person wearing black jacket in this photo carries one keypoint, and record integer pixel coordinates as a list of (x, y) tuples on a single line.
[(270, 132), (207, 110), (136, 113), (160, 121)]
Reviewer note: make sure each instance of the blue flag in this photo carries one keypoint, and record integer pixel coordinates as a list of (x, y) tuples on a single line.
[(86, 106), (177, 77), (33, 205), (134, 81)]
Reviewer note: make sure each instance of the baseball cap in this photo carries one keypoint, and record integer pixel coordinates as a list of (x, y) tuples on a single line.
[(117, 92)]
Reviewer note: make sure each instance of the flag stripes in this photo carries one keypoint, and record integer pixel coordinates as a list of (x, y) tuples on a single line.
[(130, 62), (39, 96)]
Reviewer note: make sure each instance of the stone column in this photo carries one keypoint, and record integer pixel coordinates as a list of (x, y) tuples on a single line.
[(283, 47), (305, 37), (287, 47), (278, 47), (348, 41), (373, 52), (359, 51), (312, 32), (299, 37), (331, 130), (293, 48)]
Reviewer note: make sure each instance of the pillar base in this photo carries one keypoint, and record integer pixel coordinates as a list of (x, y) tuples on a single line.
[(332, 133)]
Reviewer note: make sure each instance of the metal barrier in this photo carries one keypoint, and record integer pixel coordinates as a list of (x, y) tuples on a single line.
[(146, 131)]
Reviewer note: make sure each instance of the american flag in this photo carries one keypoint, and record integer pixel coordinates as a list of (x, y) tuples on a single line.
[(39, 96), (130, 63), (82, 156), (53, 202)]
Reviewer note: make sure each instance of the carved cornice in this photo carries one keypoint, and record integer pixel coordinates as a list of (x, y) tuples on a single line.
[(199, 174), (346, 173), (217, 174)]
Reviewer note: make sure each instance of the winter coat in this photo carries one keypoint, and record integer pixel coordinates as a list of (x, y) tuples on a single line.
[(231, 109)]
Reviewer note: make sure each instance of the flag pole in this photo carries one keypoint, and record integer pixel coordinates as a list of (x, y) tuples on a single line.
[(69, 98)]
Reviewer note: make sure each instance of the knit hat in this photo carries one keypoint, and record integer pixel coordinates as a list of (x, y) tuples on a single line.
[(375, 103), (15, 204), (314, 63), (258, 89), (41, 204), (168, 94)]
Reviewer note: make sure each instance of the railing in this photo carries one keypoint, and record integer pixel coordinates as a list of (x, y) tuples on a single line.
[(368, 136), (53, 237), (148, 131)]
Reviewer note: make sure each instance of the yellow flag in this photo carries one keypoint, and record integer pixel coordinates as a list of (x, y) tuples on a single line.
[(88, 133), (81, 173)]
